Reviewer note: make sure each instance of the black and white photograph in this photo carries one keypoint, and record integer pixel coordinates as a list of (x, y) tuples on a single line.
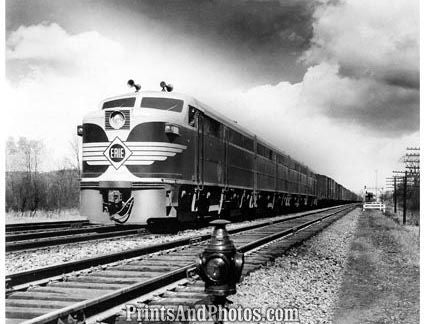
[(211, 161)]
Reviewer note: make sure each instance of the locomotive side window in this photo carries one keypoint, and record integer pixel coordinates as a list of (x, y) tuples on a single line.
[(240, 140), (235, 137), (281, 159), (248, 143), (167, 104), (123, 102), (264, 151), (267, 153), (261, 150), (192, 116), (212, 127), (291, 163)]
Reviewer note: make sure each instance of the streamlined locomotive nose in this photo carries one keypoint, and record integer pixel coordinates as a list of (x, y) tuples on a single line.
[(137, 146)]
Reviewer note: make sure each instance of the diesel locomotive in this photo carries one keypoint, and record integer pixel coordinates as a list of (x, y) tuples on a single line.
[(164, 158)]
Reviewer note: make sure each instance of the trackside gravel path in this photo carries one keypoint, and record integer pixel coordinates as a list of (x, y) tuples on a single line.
[(307, 277), (381, 280)]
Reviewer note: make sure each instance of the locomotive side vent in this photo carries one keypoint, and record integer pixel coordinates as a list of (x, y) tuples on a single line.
[(125, 113)]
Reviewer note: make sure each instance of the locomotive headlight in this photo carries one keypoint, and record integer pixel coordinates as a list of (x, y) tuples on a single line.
[(172, 129), (117, 120), (216, 269), (80, 130)]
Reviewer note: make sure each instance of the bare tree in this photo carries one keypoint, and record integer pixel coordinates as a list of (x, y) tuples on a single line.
[(75, 144), (23, 160)]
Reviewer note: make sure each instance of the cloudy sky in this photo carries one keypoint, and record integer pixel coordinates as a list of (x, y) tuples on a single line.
[(334, 83)]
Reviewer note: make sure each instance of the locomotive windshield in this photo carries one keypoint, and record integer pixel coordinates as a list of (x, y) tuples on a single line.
[(123, 102), (162, 104)]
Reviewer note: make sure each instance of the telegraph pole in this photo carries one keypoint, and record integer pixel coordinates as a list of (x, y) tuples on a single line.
[(412, 174), (395, 182), (409, 176), (404, 197), (395, 195), (404, 194)]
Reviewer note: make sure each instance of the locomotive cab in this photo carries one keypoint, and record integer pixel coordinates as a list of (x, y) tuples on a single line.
[(134, 149)]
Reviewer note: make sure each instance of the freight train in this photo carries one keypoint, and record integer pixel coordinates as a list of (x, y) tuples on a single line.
[(163, 158)]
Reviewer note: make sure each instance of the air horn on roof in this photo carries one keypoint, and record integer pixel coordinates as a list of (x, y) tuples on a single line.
[(131, 84), (166, 87)]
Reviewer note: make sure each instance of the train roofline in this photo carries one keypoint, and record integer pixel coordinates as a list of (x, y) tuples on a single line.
[(208, 110), (152, 92), (191, 101)]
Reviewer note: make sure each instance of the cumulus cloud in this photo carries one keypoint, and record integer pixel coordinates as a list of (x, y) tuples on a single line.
[(48, 48), (372, 39), (365, 58), (366, 103), (54, 79)]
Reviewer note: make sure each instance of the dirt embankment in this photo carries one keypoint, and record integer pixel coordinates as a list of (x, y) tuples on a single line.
[(381, 281)]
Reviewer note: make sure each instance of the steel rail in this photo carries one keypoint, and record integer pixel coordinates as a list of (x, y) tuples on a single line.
[(62, 232), (26, 277), (99, 304), (39, 243), (43, 225)]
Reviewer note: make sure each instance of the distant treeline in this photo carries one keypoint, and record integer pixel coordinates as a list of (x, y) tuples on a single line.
[(30, 189), (54, 190)]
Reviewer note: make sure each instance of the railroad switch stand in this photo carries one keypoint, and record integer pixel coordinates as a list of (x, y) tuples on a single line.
[(220, 265)]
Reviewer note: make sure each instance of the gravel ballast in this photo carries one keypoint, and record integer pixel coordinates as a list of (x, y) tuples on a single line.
[(307, 277), (37, 258)]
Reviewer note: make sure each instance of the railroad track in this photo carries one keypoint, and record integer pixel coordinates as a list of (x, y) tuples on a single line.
[(15, 228), (98, 285), (45, 238), (35, 234)]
